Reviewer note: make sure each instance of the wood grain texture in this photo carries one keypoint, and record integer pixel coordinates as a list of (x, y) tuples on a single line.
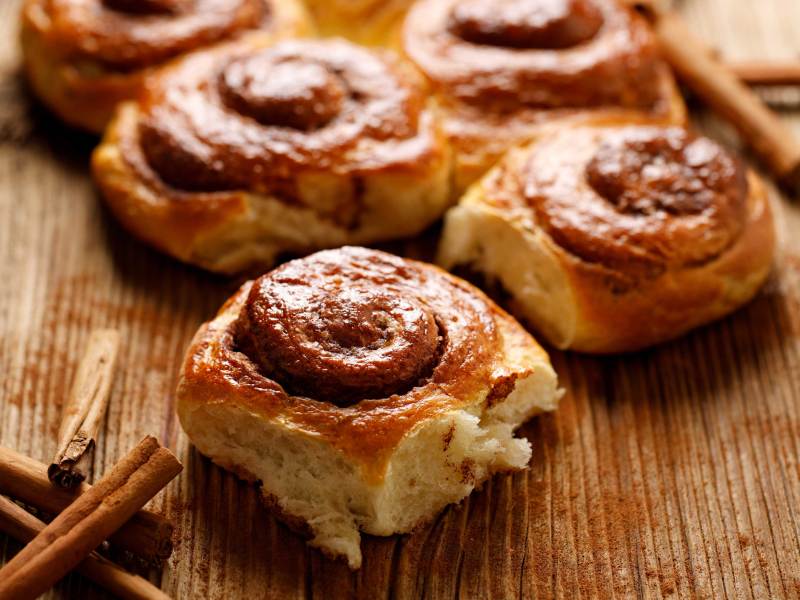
[(668, 473)]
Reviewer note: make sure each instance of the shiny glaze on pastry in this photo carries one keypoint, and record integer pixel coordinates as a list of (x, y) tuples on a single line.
[(83, 57), (614, 238), (249, 118), (239, 154), (535, 53), (637, 200), (502, 70), (125, 35), (355, 346)]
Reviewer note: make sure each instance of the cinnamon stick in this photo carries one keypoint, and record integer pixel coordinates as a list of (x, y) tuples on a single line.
[(85, 409), (147, 534), (20, 524), (767, 72), (89, 520), (717, 85)]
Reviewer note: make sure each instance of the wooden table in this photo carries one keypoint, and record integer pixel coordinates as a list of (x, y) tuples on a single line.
[(672, 472)]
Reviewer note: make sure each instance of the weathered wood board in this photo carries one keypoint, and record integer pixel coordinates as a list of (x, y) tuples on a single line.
[(669, 473)]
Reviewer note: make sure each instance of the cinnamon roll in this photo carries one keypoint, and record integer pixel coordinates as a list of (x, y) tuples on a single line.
[(370, 22), (501, 69), (82, 57), (235, 155), (364, 391), (610, 239)]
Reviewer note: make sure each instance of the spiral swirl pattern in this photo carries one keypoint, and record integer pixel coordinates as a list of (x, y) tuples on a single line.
[(250, 118), (535, 53), (352, 324), (636, 199), (525, 25), (132, 34)]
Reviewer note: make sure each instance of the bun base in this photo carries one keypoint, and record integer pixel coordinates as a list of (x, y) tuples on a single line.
[(331, 494)]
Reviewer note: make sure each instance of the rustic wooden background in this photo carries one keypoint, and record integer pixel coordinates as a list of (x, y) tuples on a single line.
[(670, 473)]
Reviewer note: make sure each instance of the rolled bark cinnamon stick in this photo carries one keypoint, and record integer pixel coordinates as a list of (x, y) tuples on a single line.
[(23, 526), (89, 520), (712, 81), (147, 534), (85, 409), (767, 72)]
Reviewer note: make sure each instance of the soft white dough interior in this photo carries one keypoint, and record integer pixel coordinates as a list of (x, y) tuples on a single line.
[(516, 256), (438, 463)]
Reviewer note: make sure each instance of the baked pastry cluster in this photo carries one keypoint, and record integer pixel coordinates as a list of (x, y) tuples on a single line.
[(610, 239), (234, 156), (82, 57), (364, 391)]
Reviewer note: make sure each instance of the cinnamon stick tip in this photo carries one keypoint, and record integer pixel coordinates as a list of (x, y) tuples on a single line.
[(64, 477), (164, 548), (790, 182), (152, 446), (650, 9)]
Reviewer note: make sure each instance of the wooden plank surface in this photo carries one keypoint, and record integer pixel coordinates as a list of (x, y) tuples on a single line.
[(669, 473)]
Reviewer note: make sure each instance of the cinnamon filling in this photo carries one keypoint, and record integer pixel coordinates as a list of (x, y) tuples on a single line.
[(542, 24), (294, 93), (670, 171), (149, 7), (637, 200), (255, 118), (128, 35), (325, 329), (511, 55)]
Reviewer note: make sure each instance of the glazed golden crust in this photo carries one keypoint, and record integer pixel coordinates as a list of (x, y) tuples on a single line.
[(637, 201), (237, 154), (647, 232), (677, 302), (148, 208), (249, 117), (231, 360), (501, 70), (83, 57)]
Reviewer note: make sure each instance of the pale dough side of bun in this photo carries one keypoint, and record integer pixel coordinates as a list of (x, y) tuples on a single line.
[(567, 300), (331, 495)]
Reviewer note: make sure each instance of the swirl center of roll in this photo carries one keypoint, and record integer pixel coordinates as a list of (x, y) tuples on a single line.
[(526, 24), (674, 172), (295, 93), (148, 7), (337, 340)]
